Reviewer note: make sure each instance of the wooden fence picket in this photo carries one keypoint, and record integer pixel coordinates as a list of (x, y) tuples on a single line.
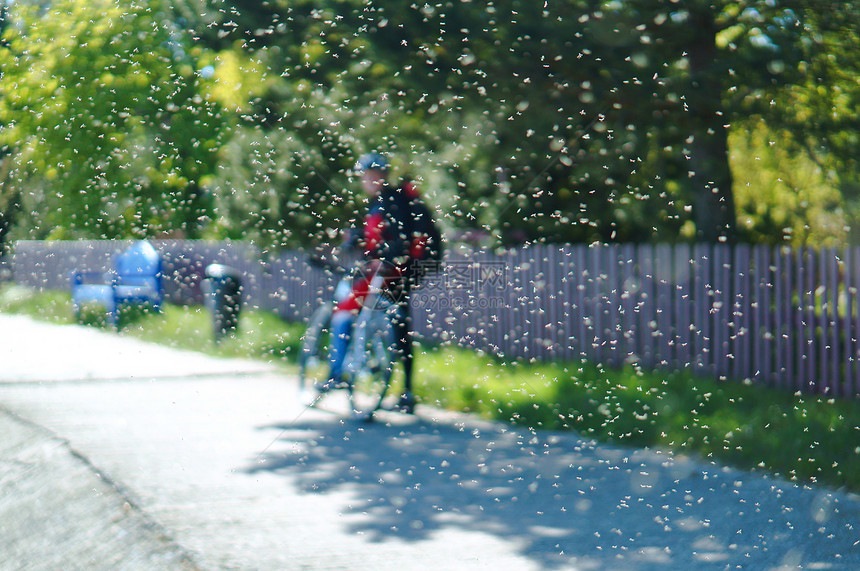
[(853, 331), (628, 290), (784, 275), (801, 378), (663, 318), (683, 305), (742, 311), (645, 305), (833, 322), (850, 329), (763, 325), (568, 316), (580, 277), (701, 308)]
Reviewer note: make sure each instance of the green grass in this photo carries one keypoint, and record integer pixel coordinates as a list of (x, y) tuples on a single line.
[(803, 438), (261, 335), (53, 306)]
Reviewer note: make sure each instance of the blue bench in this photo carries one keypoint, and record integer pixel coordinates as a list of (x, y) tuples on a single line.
[(134, 280)]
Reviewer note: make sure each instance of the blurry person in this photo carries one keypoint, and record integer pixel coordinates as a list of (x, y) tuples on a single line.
[(398, 239)]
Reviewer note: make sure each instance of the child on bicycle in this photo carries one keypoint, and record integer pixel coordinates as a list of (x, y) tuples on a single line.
[(397, 235)]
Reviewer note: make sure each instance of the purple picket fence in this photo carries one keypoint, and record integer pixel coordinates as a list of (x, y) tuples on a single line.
[(787, 318), (781, 317)]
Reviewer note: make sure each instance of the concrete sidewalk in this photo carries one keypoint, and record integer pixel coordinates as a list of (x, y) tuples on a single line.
[(213, 464), (33, 351), (58, 512)]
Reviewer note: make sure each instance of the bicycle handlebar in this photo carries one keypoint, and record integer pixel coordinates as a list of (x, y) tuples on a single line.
[(323, 263)]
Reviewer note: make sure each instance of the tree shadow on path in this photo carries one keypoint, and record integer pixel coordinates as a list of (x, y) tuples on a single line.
[(556, 499)]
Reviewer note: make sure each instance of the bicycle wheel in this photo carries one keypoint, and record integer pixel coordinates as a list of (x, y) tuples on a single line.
[(314, 352), (370, 362)]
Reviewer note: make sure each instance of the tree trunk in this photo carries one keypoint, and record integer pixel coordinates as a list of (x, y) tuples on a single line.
[(710, 175)]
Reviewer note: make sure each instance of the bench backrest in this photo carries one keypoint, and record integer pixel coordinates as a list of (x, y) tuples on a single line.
[(140, 260)]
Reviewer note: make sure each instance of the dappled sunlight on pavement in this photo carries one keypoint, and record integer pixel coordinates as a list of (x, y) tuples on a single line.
[(240, 475)]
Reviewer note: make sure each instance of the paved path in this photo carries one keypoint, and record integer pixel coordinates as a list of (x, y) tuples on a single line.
[(160, 459)]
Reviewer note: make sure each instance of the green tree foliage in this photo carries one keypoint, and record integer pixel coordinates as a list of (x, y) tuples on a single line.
[(813, 120), (782, 195), (317, 97), (103, 115), (567, 121), (562, 121)]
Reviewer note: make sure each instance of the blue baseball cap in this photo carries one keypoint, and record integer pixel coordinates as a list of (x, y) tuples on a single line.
[(371, 161)]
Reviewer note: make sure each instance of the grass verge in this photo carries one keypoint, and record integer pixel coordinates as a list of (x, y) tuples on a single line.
[(802, 438)]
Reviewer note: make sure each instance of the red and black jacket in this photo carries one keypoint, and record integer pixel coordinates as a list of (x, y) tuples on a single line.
[(387, 226), (385, 237)]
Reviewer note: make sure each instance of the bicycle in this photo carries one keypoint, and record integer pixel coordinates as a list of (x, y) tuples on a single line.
[(370, 356)]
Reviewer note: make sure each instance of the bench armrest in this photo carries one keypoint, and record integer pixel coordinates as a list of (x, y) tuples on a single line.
[(78, 278)]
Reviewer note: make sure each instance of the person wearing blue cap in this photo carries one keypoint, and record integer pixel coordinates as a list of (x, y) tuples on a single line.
[(398, 237)]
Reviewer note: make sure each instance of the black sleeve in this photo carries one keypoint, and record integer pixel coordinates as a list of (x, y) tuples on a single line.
[(395, 250)]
